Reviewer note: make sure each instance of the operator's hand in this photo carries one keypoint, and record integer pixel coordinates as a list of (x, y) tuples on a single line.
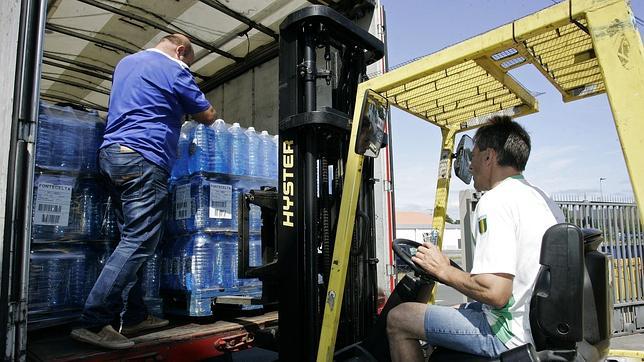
[(432, 260)]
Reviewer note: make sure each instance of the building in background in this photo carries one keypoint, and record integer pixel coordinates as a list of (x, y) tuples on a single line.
[(413, 225)]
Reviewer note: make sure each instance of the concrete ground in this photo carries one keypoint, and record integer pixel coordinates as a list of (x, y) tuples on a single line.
[(634, 342)]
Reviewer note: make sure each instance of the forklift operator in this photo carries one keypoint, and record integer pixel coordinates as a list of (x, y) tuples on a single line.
[(511, 219)]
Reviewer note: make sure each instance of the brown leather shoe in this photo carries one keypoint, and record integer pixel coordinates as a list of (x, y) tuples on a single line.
[(151, 322), (106, 338)]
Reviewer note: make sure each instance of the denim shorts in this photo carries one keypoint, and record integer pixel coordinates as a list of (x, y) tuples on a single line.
[(464, 329)]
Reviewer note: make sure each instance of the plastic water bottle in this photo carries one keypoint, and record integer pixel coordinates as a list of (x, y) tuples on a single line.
[(222, 147), (219, 259), (99, 132), (239, 150), (201, 147), (226, 266), (255, 250), (57, 267), (78, 276), (102, 252), (151, 282), (238, 189), (170, 263), (91, 129), (68, 145), (180, 168), (197, 261), (255, 258), (109, 222), (254, 162), (265, 148), (39, 288), (45, 138), (274, 164), (89, 212)]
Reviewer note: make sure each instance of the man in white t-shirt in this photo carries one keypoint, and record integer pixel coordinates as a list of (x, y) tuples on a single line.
[(511, 218)]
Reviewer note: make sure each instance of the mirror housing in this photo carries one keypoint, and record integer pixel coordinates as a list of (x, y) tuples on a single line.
[(463, 159), (371, 130)]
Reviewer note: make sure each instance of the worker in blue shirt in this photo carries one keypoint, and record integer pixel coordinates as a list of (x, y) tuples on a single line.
[(152, 90)]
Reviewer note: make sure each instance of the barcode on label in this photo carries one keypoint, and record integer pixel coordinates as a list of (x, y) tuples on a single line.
[(50, 219), (50, 208), (219, 204)]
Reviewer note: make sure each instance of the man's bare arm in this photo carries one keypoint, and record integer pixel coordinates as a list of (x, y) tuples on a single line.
[(492, 289), (206, 117)]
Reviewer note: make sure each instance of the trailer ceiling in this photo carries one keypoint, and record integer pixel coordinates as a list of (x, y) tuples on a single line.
[(85, 39)]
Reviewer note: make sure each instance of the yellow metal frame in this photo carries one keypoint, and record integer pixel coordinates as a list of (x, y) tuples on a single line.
[(583, 47)]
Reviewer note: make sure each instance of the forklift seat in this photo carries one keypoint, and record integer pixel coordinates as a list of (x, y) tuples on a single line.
[(571, 304)]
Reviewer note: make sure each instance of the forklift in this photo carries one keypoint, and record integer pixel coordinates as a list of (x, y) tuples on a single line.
[(330, 135)]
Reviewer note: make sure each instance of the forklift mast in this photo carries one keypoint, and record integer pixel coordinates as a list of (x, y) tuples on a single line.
[(323, 57)]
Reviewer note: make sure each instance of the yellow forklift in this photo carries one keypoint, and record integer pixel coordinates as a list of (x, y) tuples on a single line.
[(584, 48)]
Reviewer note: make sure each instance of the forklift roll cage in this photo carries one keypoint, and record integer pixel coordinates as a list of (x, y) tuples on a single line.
[(583, 47)]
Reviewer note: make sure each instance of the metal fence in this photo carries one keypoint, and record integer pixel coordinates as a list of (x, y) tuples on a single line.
[(619, 221)]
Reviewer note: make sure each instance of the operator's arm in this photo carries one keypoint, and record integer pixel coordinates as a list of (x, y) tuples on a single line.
[(492, 289), (206, 117)]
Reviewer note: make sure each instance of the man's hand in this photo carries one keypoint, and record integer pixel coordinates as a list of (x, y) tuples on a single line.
[(206, 117), (430, 258)]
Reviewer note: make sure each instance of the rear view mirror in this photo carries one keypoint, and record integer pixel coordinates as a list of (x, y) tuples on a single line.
[(371, 130), (463, 159)]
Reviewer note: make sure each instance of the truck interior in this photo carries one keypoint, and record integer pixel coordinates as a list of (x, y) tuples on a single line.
[(306, 58)]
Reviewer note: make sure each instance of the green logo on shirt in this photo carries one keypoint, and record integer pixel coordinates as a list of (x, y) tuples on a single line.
[(482, 224)]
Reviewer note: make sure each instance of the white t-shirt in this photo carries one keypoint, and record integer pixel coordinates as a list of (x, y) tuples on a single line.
[(510, 222)]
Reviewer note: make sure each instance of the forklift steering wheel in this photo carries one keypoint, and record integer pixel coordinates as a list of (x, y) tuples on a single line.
[(406, 248)]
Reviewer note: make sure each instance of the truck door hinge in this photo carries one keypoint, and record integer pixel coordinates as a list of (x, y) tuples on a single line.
[(17, 312), (387, 185), (390, 269)]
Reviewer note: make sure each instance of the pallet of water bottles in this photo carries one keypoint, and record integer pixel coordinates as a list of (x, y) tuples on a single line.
[(69, 202), (71, 207), (60, 278), (67, 139), (61, 275), (198, 267)]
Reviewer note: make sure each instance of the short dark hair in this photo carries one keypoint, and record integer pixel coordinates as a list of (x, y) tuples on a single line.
[(508, 139)]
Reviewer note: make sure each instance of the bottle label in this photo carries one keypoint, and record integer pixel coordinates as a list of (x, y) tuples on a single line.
[(220, 201), (183, 202), (52, 204)]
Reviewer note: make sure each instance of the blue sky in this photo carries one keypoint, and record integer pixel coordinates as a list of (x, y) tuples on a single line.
[(573, 145)]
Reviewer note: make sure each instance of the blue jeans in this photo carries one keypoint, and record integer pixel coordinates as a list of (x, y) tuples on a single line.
[(139, 191), (464, 329)]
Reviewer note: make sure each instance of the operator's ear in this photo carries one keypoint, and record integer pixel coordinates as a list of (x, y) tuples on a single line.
[(491, 156)]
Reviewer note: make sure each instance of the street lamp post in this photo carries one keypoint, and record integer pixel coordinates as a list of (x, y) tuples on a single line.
[(601, 189)]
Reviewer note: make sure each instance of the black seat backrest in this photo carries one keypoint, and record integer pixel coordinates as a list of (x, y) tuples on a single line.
[(598, 301), (556, 307)]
